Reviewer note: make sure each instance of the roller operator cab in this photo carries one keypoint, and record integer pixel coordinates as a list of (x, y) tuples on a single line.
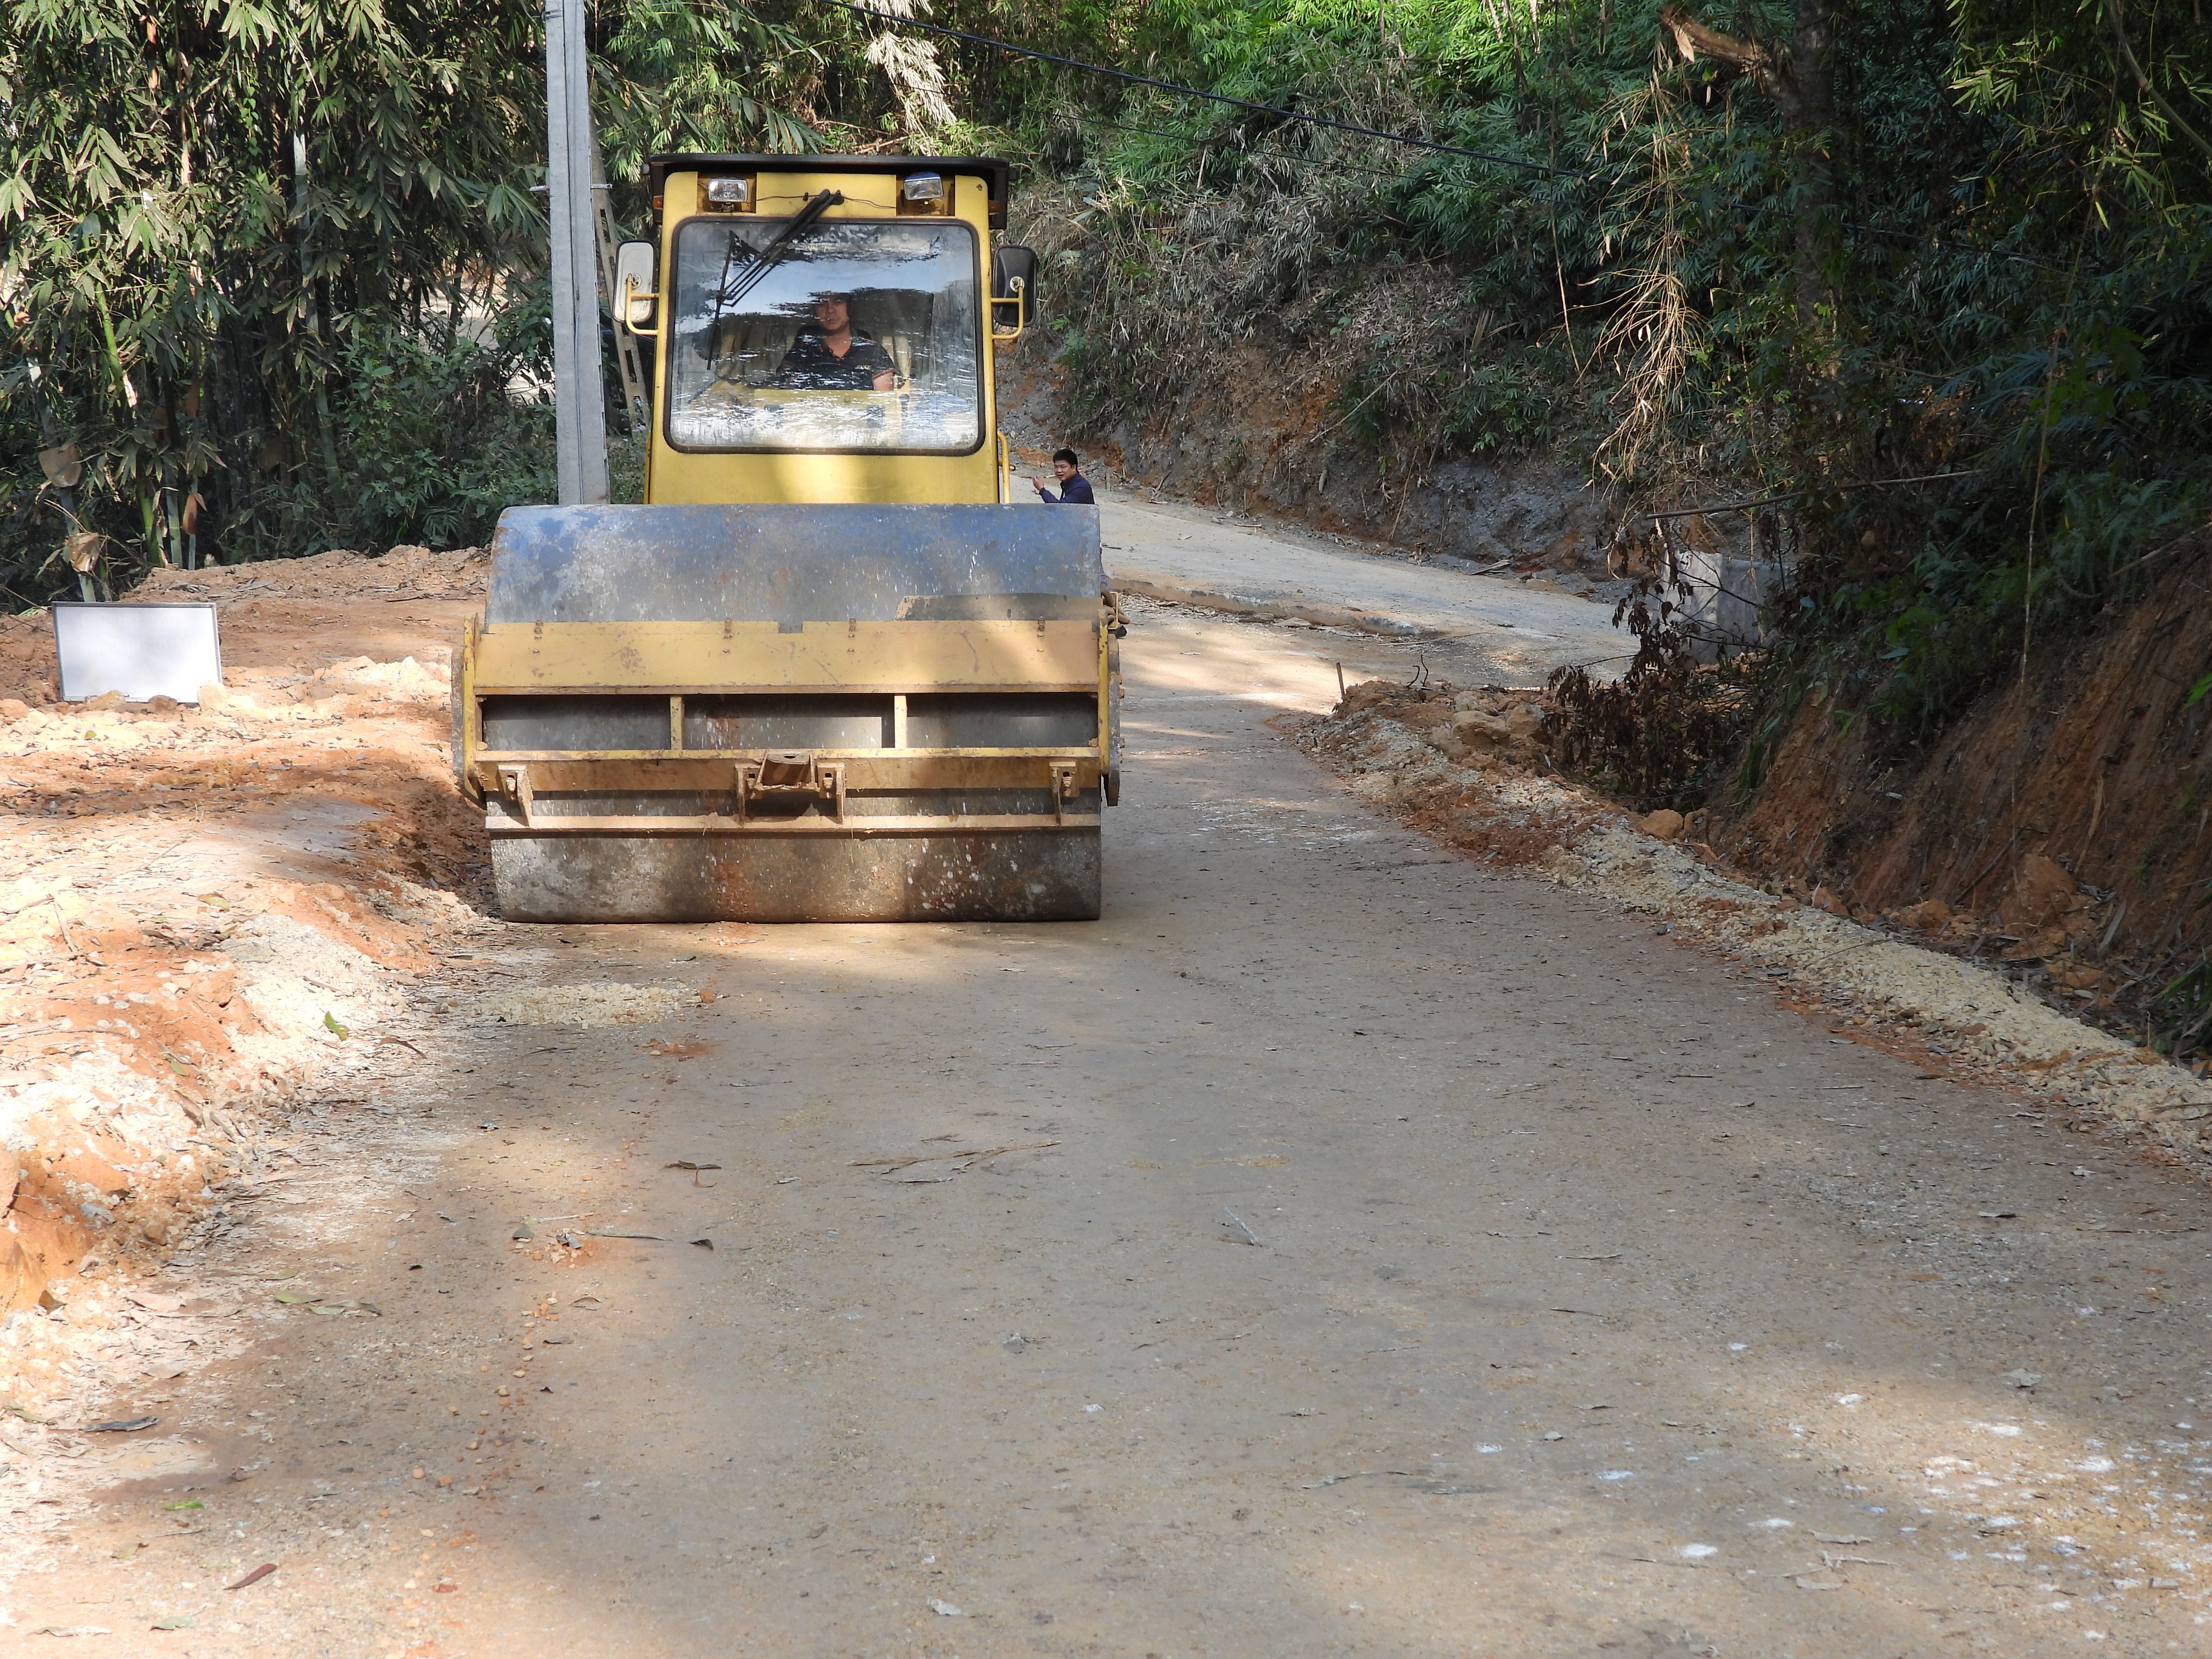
[(826, 671)]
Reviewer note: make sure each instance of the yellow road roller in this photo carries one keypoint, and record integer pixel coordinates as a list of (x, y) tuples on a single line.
[(827, 670)]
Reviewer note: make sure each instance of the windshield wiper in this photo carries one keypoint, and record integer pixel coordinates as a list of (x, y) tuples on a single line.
[(733, 287)]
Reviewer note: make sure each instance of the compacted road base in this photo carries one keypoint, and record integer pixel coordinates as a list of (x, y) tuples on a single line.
[(1387, 1255)]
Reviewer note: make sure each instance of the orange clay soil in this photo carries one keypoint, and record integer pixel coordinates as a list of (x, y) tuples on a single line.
[(210, 911), (2059, 825)]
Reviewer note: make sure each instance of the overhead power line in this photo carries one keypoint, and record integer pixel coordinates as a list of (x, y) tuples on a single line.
[(1180, 91)]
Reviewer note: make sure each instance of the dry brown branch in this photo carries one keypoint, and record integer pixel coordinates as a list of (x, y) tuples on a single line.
[(1656, 327), (934, 1157), (1692, 37)]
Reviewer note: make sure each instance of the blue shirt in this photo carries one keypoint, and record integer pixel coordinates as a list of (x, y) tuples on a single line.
[(1076, 492)]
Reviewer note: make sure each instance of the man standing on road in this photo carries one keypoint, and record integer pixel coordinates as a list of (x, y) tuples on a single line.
[(1074, 488)]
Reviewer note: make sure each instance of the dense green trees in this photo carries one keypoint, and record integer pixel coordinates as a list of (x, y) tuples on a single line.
[(1806, 248), (271, 275), (221, 221)]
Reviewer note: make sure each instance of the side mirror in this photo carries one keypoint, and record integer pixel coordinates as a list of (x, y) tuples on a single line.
[(636, 297), (1013, 286)]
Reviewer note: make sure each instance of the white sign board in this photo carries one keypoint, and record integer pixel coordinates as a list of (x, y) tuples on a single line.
[(141, 650)]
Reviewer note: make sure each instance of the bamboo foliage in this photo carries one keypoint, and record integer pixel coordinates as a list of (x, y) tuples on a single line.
[(271, 270), (208, 207), (276, 271), (673, 75)]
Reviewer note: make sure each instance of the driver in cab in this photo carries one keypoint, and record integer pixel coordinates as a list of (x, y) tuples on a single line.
[(830, 354)]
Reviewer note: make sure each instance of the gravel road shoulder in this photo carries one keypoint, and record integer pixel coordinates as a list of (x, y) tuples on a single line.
[(1496, 799)]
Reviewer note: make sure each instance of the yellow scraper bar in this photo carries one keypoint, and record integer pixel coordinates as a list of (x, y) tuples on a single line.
[(536, 658)]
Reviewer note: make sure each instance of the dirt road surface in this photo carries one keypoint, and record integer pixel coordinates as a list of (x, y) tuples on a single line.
[(1342, 1247), (1473, 627)]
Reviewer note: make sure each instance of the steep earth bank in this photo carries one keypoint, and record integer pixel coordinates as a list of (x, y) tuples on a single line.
[(2059, 826)]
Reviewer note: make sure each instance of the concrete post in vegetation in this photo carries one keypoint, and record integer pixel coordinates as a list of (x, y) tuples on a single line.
[(579, 399)]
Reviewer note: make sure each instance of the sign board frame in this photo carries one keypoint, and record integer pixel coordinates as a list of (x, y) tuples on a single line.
[(143, 650)]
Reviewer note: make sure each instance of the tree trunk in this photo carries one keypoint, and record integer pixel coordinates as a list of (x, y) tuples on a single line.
[(1811, 71), (1801, 82)]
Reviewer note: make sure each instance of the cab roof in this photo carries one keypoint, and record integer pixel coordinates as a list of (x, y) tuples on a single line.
[(991, 171)]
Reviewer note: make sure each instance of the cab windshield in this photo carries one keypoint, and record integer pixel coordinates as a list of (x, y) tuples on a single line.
[(852, 335)]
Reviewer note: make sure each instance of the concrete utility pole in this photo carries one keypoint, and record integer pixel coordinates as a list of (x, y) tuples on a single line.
[(579, 408)]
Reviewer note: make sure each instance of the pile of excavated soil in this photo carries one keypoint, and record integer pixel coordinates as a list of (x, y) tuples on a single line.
[(212, 915), (286, 623), (1466, 768), (402, 574)]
